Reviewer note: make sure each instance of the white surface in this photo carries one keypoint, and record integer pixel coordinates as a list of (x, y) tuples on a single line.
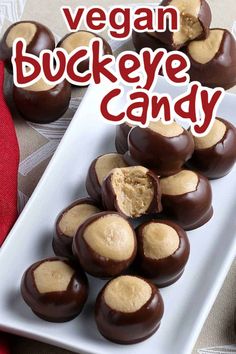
[(187, 302)]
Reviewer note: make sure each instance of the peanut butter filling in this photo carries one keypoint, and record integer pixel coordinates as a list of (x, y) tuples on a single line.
[(134, 190), (215, 135), (183, 182), (24, 30), (76, 40), (127, 294), (190, 27), (159, 240), (74, 217), (204, 51), (106, 163), (111, 237), (52, 276), (167, 130)]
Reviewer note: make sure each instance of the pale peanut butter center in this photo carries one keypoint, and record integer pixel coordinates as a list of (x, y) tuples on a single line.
[(205, 50), (52, 276), (111, 237), (134, 190), (215, 135), (76, 40), (180, 183), (21, 30), (167, 130), (190, 27), (127, 294), (159, 240), (40, 86), (106, 163), (74, 217)]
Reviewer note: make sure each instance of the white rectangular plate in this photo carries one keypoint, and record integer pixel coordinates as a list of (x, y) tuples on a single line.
[(187, 302)]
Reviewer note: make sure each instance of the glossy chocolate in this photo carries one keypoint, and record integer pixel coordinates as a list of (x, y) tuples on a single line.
[(165, 155), (93, 186), (220, 71), (84, 65), (94, 263), (43, 106), (62, 242), (129, 328), (111, 199), (121, 140), (163, 272), (190, 210), (147, 40), (43, 39), (204, 17), (218, 160), (57, 306)]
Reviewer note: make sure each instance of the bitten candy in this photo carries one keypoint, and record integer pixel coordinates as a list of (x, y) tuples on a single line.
[(36, 35), (195, 20), (160, 147), (105, 245), (213, 60), (215, 154), (128, 310), (42, 103), (187, 199), (98, 170), (132, 191), (163, 251), (54, 289), (68, 223)]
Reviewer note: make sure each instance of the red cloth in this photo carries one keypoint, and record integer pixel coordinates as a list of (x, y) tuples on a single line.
[(9, 162)]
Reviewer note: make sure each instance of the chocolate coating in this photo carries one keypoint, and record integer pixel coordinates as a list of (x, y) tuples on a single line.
[(43, 106), (43, 39), (57, 306), (62, 243), (121, 140), (94, 263), (218, 160), (129, 328), (84, 65), (166, 271), (163, 154), (145, 40), (190, 210), (219, 71), (204, 18), (110, 198)]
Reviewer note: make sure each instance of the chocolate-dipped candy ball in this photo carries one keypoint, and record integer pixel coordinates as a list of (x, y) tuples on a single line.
[(160, 147), (105, 245), (121, 140), (98, 170), (68, 223), (132, 191), (187, 199), (42, 103), (195, 20), (36, 35), (79, 39), (215, 154), (163, 251), (54, 289), (128, 310), (213, 60), (147, 40)]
